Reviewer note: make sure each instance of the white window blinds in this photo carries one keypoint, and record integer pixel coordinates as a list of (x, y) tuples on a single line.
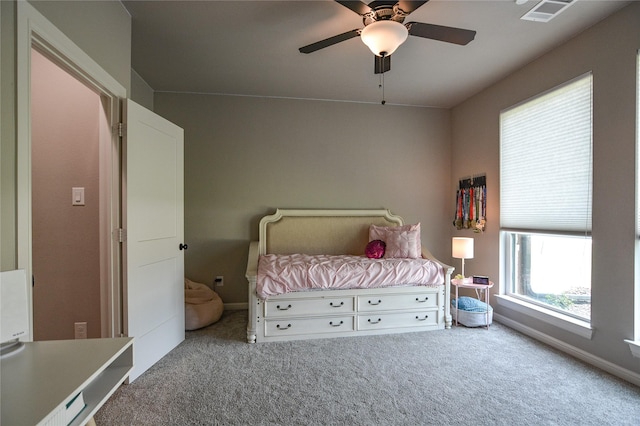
[(546, 161)]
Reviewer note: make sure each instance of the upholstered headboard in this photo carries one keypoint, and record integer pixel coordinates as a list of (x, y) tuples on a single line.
[(321, 231)]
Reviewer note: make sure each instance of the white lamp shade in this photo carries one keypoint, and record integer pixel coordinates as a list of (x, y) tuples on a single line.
[(384, 36), (462, 248)]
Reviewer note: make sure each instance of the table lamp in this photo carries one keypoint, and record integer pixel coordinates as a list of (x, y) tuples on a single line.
[(462, 248)]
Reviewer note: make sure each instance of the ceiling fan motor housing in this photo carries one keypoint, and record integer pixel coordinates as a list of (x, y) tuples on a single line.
[(384, 13)]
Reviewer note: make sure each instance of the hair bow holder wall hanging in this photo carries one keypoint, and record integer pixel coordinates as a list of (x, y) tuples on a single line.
[(471, 204)]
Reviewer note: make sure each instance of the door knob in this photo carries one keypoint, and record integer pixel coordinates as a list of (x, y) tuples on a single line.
[(183, 246)]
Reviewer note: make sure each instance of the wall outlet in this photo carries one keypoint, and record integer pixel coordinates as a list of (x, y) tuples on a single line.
[(218, 281), (80, 330)]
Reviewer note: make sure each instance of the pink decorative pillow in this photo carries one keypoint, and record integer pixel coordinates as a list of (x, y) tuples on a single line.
[(375, 249), (402, 245), (402, 241)]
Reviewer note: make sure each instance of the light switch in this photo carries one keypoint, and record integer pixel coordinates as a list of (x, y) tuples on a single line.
[(77, 196)]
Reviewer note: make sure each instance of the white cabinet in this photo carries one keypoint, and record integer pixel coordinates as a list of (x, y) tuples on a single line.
[(397, 319), (387, 302), (310, 306), (308, 325), (388, 311), (304, 315)]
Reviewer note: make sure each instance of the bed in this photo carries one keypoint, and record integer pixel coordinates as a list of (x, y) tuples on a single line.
[(282, 312)]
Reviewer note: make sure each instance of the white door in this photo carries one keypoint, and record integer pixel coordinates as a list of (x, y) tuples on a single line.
[(153, 253)]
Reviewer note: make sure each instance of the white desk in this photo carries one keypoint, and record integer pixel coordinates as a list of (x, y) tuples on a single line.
[(42, 378)]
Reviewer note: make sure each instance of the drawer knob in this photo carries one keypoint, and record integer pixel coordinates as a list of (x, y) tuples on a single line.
[(422, 301), (422, 319), (283, 328), (337, 305), (283, 309), (374, 303), (336, 325), (374, 322)]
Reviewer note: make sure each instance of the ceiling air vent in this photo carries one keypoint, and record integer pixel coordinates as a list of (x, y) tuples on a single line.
[(547, 10)]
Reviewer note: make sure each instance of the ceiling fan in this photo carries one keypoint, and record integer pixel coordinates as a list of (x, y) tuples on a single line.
[(384, 30)]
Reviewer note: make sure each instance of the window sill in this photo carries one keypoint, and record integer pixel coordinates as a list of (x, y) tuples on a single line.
[(567, 323), (634, 345)]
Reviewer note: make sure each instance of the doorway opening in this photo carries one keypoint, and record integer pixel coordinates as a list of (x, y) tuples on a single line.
[(75, 130), (66, 203)]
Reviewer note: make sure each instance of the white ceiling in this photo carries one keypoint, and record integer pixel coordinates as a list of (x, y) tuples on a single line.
[(251, 48)]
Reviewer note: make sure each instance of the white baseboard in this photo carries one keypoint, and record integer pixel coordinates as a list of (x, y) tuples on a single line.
[(236, 306), (582, 355)]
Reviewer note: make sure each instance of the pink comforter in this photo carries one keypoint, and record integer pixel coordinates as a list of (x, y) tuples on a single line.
[(278, 274)]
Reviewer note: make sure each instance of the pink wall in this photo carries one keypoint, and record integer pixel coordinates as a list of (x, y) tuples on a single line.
[(65, 154)]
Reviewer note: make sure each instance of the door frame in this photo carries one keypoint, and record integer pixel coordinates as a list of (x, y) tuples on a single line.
[(35, 31)]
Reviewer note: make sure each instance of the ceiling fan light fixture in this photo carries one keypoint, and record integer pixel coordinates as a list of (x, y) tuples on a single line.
[(384, 37)]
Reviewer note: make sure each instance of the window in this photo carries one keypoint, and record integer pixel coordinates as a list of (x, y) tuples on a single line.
[(545, 198)]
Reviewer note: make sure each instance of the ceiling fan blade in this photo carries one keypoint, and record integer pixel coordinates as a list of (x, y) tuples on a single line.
[(377, 3), (381, 64), (357, 6), (330, 41), (438, 32), (410, 6)]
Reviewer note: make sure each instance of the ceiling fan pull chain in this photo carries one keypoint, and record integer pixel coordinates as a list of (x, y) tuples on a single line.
[(381, 84)]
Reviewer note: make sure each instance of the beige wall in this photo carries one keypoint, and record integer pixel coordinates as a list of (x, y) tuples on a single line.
[(7, 137), (141, 92), (244, 157), (66, 240), (609, 50)]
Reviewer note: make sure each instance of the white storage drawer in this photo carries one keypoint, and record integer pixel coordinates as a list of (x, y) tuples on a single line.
[(296, 326), (400, 319), (297, 307), (388, 302)]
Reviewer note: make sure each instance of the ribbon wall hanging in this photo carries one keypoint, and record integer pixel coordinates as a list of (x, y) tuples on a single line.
[(471, 204)]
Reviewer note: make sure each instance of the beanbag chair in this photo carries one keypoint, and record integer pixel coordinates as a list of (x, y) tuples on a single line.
[(202, 306)]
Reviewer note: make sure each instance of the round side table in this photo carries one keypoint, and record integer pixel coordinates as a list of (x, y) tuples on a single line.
[(467, 283)]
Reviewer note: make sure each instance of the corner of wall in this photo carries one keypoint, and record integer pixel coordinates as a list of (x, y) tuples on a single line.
[(141, 92)]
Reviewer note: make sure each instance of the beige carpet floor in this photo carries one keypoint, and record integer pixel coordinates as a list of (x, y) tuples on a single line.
[(461, 376)]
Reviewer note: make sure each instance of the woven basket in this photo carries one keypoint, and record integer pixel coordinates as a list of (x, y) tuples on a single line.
[(472, 319)]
